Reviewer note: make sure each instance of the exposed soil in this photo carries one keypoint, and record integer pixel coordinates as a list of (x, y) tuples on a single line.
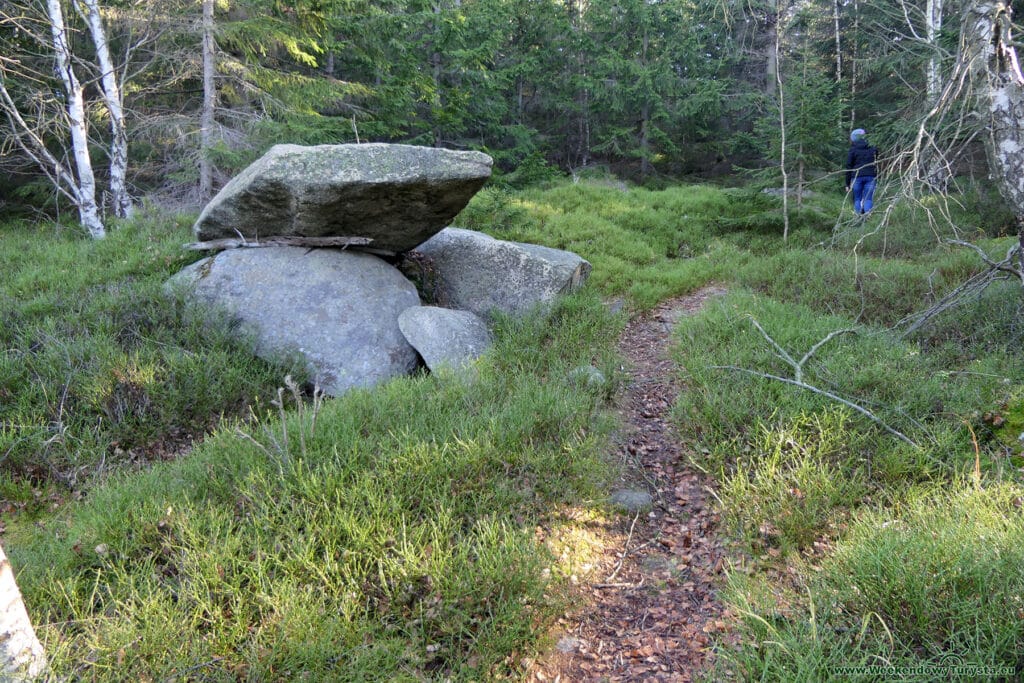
[(647, 609)]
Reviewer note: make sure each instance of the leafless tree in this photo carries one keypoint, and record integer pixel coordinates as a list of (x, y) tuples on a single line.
[(982, 97), (207, 121), (58, 72)]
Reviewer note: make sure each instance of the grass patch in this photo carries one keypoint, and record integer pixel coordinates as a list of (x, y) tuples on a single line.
[(796, 483), (397, 539), (98, 369), (390, 541), (934, 581)]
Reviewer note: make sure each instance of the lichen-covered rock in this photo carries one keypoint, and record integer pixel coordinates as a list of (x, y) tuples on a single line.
[(337, 309), (472, 271), (396, 195), (443, 336)]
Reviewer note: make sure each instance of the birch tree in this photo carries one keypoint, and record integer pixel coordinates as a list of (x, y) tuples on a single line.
[(933, 25), (21, 655), (991, 57), (113, 99), (43, 102), (85, 189), (988, 69)]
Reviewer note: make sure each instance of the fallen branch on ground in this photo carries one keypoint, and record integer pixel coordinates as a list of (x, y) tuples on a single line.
[(798, 372), (973, 287), (280, 241)]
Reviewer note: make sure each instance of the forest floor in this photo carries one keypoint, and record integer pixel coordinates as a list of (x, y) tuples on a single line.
[(647, 608)]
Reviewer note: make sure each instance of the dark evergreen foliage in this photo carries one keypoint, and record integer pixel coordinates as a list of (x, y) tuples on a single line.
[(645, 89)]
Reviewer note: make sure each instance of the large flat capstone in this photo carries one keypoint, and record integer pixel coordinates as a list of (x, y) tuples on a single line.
[(337, 309), (396, 195)]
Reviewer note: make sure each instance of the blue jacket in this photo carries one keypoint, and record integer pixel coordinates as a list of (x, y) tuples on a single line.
[(860, 161)]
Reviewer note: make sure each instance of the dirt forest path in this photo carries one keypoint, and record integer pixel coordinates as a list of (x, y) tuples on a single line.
[(647, 609)]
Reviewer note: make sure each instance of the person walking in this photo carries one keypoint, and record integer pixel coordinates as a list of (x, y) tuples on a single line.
[(861, 172)]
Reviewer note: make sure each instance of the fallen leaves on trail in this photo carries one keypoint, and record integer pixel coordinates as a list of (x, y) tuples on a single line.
[(655, 616)]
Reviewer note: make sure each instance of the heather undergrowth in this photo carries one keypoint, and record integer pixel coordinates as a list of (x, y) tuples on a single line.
[(869, 483)]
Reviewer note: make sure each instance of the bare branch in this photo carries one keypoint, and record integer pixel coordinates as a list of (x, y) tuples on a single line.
[(798, 370), (830, 337), (863, 411), (280, 241), (798, 366)]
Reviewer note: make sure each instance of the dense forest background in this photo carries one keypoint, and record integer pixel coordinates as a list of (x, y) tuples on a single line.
[(869, 496), (650, 90)]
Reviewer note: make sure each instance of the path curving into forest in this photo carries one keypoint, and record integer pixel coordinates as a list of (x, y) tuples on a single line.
[(648, 609)]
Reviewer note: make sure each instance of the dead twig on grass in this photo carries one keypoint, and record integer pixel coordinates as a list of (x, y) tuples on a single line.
[(973, 287), (625, 550), (798, 372)]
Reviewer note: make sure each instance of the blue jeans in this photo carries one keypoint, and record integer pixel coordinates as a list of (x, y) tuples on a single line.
[(863, 194)]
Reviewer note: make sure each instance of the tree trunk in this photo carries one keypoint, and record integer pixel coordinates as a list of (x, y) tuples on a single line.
[(934, 168), (580, 157), (207, 121), (645, 115), (989, 46), (839, 44), (933, 24), (112, 97), (853, 62), (776, 52), (329, 63), (85, 187), (771, 66), (991, 55), (21, 656), (801, 178)]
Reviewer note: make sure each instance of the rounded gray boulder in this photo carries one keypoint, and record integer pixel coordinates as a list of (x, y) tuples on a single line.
[(472, 271), (443, 336), (337, 309)]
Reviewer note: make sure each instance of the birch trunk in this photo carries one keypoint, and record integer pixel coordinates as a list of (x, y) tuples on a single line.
[(207, 120), (85, 187), (853, 62), (839, 44), (21, 655), (933, 24), (988, 45), (114, 99), (935, 169)]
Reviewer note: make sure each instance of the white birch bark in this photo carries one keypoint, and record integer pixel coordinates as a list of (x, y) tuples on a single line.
[(934, 167), (85, 187), (988, 45), (112, 96), (933, 24), (21, 655), (207, 120), (839, 44)]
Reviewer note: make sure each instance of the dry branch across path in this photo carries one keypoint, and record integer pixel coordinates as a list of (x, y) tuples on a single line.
[(649, 610)]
